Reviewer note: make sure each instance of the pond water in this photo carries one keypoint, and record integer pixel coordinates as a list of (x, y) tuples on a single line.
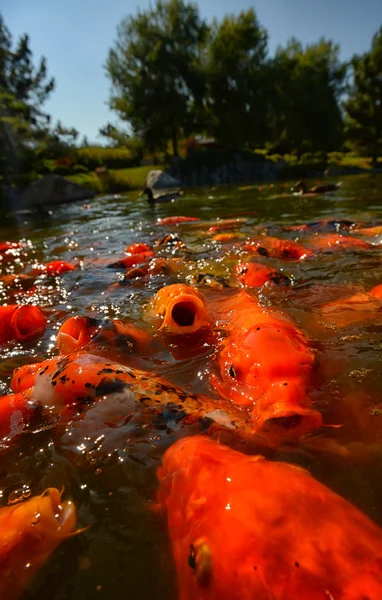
[(112, 480)]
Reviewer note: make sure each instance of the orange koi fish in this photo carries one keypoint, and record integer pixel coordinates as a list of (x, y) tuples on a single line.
[(227, 237), (266, 364), (156, 266), (29, 533), (275, 248), (57, 267), (359, 307), (179, 309), (138, 248), (224, 224), (63, 384), (370, 231), (242, 527), (332, 241), (170, 240), (16, 411), (9, 251), (255, 275), (77, 332), (176, 220), (21, 281), (21, 323), (131, 260), (327, 224), (6, 246), (53, 268)]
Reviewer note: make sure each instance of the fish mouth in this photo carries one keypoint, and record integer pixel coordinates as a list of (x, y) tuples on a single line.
[(292, 420), (27, 322), (185, 315), (72, 333), (295, 423)]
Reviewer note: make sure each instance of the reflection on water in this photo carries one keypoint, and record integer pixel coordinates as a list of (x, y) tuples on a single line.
[(112, 477)]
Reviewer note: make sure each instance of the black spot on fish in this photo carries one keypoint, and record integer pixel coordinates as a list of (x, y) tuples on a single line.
[(108, 386), (262, 251)]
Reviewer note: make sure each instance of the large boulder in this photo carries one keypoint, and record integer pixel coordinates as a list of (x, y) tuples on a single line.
[(159, 180), (53, 189)]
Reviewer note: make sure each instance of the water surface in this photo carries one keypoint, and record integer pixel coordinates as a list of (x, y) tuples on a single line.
[(113, 482)]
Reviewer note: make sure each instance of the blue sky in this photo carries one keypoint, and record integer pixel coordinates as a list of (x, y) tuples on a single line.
[(75, 36)]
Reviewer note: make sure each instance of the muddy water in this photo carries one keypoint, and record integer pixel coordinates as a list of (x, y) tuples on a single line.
[(110, 473)]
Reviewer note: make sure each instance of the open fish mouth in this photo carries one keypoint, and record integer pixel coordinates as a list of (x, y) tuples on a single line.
[(185, 314)]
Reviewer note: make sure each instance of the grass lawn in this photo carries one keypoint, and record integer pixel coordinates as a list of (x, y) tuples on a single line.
[(115, 180)]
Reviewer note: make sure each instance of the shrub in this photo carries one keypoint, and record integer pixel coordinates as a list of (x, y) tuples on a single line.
[(63, 170), (79, 169)]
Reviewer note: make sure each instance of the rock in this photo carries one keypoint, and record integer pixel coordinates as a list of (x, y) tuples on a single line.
[(159, 180), (53, 189)]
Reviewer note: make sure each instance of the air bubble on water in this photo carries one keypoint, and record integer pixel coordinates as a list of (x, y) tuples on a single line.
[(98, 471)]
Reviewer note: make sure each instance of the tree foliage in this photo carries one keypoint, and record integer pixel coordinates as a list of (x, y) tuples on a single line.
[(155, 69), (364, 105), (173, 74), (304, 101), (27, 137), (23, 87), (235, 98)]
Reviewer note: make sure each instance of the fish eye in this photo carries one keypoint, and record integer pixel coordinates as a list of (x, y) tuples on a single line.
[(199, 560), (232, 372), (243, 270)]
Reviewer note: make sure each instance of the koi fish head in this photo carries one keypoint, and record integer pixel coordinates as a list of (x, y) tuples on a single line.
[(123, 335), (57, 267), (266, 369), (131, 260), (138, 248), (30, 532), (276, 248), (286, 408), (376, 292), (75, 333), (264, 353), (245, 528), (44, 517), (180, 309), (27, 322), (255, 275), (333, 241)]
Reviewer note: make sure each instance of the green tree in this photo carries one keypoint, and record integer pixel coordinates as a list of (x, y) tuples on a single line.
[(364, 105), (23, 90), (155, 67), (236, 97), (115, 136), (304, 111)]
